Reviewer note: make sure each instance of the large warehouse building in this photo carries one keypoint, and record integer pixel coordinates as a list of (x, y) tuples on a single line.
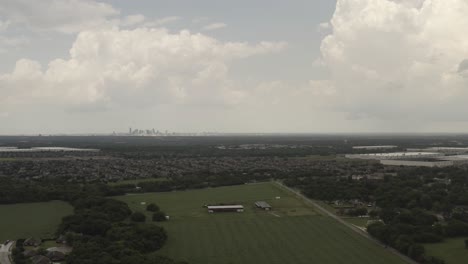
[(395, 155), (439, 157), (444, 150), (375, 147)]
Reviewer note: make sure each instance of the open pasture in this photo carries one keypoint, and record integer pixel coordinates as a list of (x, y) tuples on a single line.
[(291, 233), (32, 219)]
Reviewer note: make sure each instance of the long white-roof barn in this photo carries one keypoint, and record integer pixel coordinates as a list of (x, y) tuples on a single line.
[(225, 208)]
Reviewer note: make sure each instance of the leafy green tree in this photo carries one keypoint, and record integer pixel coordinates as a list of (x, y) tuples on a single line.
[(416, 251), (159, 216), (152, 207), (138, 217)]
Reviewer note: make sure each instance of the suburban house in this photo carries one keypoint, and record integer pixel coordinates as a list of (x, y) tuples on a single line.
[(32, 242), (61, 240), (55, 256), (29, 253), (40, 260)]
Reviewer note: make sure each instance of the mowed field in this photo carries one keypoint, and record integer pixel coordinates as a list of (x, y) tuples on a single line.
[(32, 219), (291, 233), (453, 250)]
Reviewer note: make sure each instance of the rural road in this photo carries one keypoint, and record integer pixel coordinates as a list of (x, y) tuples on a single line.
[(352, 227), (5, 252)]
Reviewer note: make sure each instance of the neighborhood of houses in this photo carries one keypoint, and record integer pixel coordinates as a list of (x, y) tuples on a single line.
[(38, 255)]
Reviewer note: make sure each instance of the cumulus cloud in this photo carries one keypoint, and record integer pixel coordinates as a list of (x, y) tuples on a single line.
[(395, 59), (162, 21), (214, 26), (66, 16), (132, 20), (133, 68)]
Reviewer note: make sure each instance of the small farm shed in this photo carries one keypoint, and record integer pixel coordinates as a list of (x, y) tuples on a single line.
[(263, 205)]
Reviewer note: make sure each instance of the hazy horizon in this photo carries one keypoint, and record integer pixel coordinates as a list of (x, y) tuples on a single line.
[(280, 67)]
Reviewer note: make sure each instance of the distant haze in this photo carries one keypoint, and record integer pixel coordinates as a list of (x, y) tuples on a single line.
[(301, 66)]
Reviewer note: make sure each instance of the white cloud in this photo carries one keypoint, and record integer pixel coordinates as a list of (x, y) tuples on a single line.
[(66, 16), (132, 20), (400, 60), (162, 21), (132, 68), (214, 26), (322, 88)]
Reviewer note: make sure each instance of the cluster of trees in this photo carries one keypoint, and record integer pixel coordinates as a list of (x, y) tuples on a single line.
[(406, 230), (100, 232), (359, 211), (24, 191), (183, 183), (158, 215)]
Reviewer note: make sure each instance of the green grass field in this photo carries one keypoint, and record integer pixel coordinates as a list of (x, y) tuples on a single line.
[(453, 251), (291, 233), (32, 219)]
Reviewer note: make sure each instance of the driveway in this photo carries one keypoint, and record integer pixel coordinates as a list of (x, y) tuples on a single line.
[(5, 253)]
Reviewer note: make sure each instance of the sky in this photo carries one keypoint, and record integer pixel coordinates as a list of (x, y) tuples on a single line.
[(266, 66)]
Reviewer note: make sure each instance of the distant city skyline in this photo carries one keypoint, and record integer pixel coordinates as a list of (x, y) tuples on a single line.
[(264, 66)]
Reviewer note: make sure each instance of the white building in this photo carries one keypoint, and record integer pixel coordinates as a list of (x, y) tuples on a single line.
[(375, 147), (417, 159), (395, 155)]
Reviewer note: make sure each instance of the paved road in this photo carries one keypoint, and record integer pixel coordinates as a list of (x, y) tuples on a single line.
[(5, 252), (340, 220)]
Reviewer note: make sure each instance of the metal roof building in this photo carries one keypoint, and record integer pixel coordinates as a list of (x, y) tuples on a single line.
[(445, 150), (375, 147), (263, 205), (225, 208), (395, 155)]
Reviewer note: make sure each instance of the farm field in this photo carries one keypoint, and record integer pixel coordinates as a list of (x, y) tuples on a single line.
[(291, 233), (453, 250), (32, 219)]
